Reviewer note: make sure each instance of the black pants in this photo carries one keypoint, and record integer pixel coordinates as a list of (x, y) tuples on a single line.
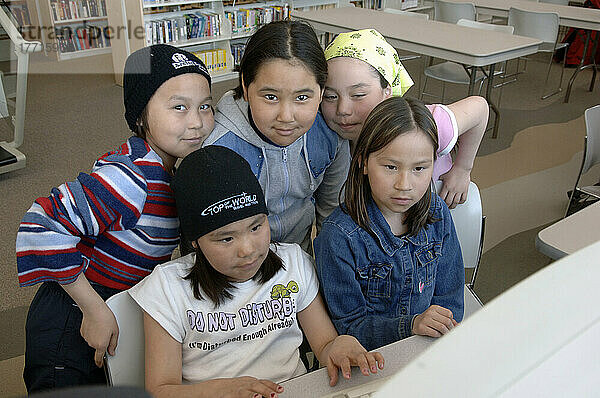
[(56, 355)]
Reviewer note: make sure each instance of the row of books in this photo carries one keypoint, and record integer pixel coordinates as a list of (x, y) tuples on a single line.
[(184, 27), (21, 14), (237, 51), (64, 10), (215, 60), (246, 20), (82, 38), (160, 2), (373, 4)]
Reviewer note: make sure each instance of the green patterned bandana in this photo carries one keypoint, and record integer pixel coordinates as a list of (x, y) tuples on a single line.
[(369, 46)]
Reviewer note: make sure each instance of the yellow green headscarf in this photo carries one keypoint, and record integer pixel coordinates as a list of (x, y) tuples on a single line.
[(369, 46)]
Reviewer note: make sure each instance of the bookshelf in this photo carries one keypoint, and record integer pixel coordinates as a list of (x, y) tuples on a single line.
[(77, 28), (26, 17), (216, 30)]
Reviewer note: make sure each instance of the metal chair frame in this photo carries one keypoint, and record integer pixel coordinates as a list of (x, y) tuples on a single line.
[(591, 155), (543, 26)]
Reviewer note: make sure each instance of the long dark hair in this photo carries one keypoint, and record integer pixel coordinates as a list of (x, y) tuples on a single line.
[(289, 40), (217, 286), (389, 119)]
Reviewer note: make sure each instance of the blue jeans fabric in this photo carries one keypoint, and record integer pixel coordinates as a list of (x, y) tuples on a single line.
[(375, 285), (56, 355)]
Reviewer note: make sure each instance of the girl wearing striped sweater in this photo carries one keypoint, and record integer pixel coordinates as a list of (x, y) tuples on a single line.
[(108, 229)]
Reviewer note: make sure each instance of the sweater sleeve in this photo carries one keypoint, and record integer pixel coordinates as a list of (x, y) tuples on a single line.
[(347, 305), (55, 230), (327, 194)]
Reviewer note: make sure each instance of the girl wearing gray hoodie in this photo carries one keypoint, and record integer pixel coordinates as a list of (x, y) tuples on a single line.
[(273, 121)]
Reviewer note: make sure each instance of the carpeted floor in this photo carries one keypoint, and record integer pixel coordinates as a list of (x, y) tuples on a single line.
[(523, 175)]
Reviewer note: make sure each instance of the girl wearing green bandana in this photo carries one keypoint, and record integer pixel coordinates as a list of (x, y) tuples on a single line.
[(363, 70)]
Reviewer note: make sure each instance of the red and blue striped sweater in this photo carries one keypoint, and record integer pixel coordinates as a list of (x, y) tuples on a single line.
[(115, 224)]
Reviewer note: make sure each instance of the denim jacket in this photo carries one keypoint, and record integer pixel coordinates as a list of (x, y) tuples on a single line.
[(375, 287)]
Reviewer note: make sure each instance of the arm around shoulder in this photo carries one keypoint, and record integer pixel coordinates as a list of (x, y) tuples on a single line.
[(471, 116)]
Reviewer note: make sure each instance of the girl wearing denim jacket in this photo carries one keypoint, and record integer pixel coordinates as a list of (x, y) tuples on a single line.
[(388, 259)]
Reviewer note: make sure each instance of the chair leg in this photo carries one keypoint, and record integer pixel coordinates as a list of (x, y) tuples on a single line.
[(471, 283), (443, 91), (423, 90), (578, 178), (480, 86), (562, 71), (502, 84), (546, 80), (570, 202), (514, 74)]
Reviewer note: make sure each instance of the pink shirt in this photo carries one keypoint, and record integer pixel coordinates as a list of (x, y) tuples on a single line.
[(447, 137)]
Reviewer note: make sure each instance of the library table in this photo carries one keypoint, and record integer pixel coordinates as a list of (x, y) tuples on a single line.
[(570, 234), (587, 19), (465, 45), (396, 356)]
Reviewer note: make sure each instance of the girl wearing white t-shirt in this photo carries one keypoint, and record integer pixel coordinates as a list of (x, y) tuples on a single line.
[(225, 320)]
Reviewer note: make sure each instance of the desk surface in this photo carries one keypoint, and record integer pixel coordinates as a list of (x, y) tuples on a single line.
[(570, 234), (397, 355), (432, 38), (576, 17)]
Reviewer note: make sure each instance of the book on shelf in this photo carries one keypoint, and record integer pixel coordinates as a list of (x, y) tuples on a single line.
[(319, 7), (21, 13), (65, 10), (184, 27), (71, 39), (247, 20), (237, 52), (372, 4), (406, 4), (215, 60)]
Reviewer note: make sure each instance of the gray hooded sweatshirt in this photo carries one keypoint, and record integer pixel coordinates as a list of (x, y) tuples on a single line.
[(301, 181)]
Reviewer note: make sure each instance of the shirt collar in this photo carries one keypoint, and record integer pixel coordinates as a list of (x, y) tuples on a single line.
[(388, 241)]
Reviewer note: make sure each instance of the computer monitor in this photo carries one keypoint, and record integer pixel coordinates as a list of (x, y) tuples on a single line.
[(539, 338)]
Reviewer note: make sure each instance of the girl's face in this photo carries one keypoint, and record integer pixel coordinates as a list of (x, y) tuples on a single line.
[(179, 117), (400, 173), (351, 92), (237, 250), (284, 99)]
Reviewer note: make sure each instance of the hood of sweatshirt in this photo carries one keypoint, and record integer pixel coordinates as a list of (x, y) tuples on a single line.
[(283, 172)]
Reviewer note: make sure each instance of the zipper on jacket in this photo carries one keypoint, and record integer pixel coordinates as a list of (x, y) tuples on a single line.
[(287, 189)]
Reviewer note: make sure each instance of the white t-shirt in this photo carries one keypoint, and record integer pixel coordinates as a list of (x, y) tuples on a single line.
[(256, 333)]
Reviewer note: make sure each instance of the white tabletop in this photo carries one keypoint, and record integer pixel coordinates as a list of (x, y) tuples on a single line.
[(570, 234), (396, 356), (437, 39), (576, 17), (540, 338)]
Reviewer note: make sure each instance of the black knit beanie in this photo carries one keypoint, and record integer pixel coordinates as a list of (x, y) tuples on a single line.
[(147, 69), (214, 186)]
